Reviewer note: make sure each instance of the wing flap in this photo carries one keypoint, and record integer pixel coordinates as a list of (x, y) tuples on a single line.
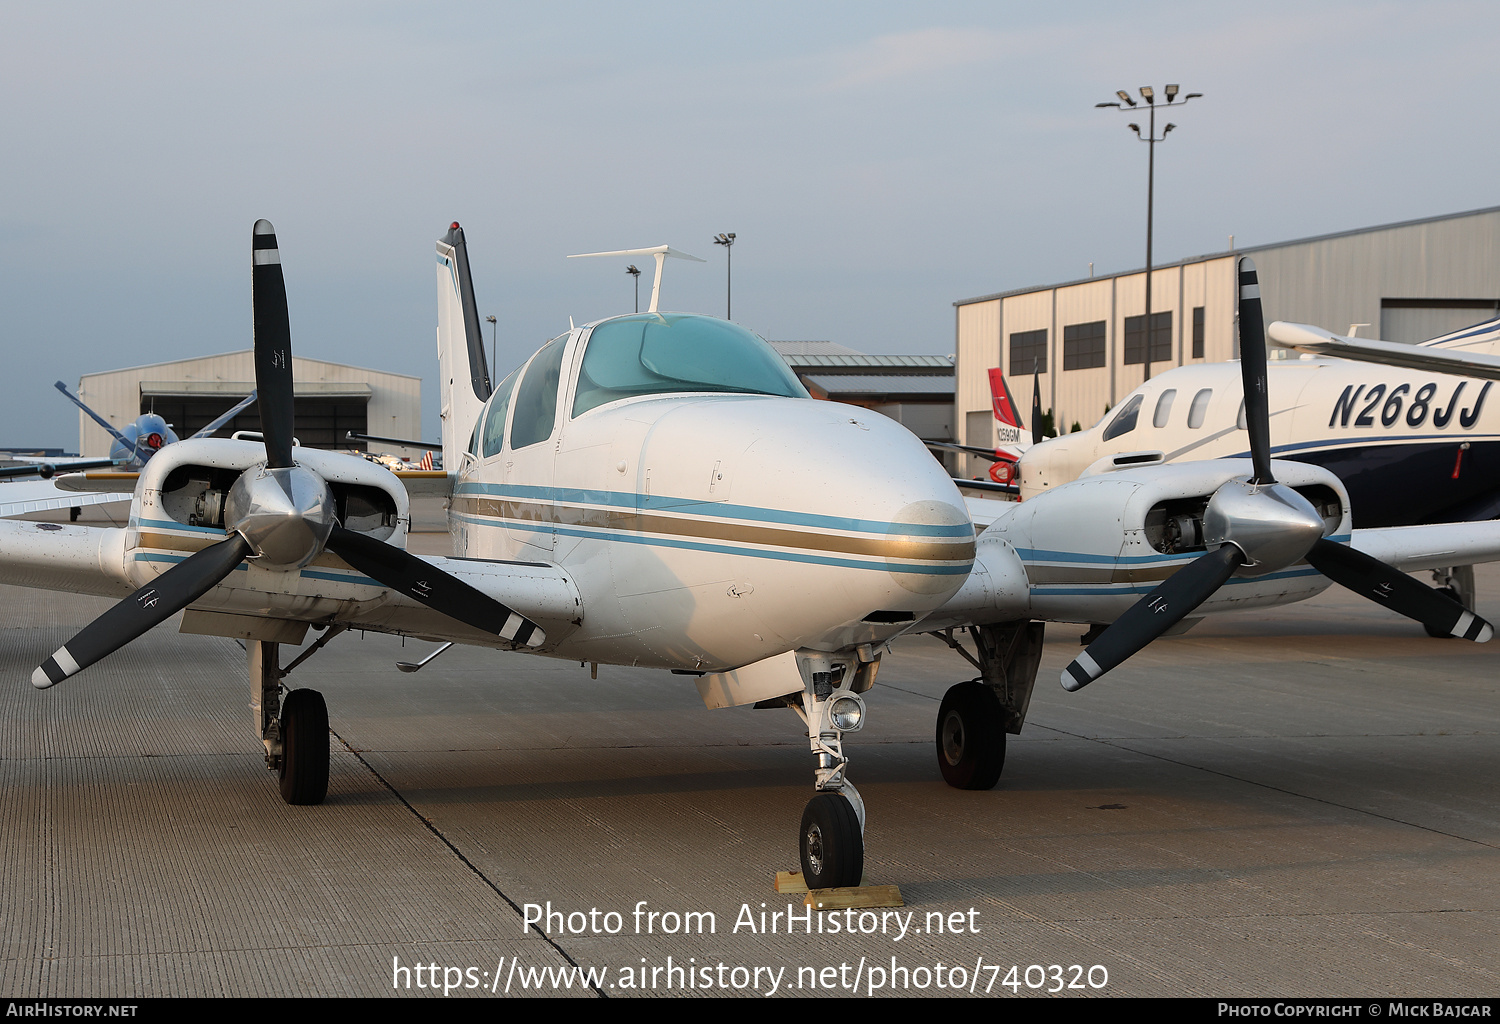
[(541, 592)]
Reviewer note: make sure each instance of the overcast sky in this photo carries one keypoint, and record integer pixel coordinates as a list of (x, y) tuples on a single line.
[(877, 161)]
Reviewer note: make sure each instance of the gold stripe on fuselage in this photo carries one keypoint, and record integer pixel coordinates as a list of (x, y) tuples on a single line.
[(932, 549), (191, 544)]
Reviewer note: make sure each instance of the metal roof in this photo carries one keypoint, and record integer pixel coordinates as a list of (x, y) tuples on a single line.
[(242, 388), (856, 363), (883, 384), (1241, 250)]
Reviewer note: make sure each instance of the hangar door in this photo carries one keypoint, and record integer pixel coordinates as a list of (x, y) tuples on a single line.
[(326, 410), (1412, 320)]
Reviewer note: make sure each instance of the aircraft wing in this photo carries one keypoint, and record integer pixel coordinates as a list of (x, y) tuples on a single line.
[(98, 561), (17, 497), (121, 484), (967, 449), (1306, 338), (427, 483), (1436, 546)]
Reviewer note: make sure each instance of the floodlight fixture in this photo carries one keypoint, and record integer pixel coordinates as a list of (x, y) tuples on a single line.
[(1148, 93), (727, 241)]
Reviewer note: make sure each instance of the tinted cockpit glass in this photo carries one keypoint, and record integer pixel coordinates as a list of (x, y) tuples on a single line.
[(666, 353), (1125, 422)]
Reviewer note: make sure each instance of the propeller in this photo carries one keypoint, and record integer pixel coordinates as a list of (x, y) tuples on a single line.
[(283, 516), (1036, 404), (1259, 526)]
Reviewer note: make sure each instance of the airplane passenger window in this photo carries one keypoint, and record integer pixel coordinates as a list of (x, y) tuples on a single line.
[(536, 399), (493, 434), (1125, 422), (667, 353), (1163, 408), (1199, 408)]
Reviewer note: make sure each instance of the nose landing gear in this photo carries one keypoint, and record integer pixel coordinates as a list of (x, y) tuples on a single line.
[(832, 836)]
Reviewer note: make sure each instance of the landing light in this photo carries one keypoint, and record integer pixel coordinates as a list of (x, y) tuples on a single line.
[(846, 712)]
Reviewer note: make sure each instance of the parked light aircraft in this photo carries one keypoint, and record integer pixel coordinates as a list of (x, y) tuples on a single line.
[(1009, 447), (1411, 444), (74, 486), (138, 441), (658, 489)]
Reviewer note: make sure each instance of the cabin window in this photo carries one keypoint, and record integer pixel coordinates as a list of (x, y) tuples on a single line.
[(1124, 423), (673, 353), (536, 398), (1163, 408), (1199, 408), (492, 433)]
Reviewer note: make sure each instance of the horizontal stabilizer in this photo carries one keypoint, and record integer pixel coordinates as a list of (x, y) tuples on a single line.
[(1306, 338)]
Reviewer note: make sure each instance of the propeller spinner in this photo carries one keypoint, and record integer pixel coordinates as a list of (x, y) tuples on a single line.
[(1258, 526), (283, 516)]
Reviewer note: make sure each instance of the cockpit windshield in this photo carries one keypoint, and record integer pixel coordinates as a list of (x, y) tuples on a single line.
[(668, 353)]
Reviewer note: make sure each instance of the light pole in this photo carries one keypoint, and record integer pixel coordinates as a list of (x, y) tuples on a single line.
[(1149, 95), (635, 272), (493, 349), (727, 241)]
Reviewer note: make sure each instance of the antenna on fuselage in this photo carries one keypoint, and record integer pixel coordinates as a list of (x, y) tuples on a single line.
[(661, 252)]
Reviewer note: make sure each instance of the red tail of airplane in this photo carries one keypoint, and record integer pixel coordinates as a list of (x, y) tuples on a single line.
[(1007, 429)]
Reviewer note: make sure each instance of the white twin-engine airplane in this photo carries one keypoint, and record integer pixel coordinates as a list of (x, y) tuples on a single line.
[(658, 490)]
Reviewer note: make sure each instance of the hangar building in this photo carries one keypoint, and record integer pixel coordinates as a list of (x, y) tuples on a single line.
[(915, 391), (331, 399), (1086, 339)]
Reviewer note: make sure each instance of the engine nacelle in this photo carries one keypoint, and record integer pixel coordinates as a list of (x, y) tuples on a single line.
[(1115, 537)]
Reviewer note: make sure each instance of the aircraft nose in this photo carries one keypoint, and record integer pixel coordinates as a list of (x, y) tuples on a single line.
[(870, 496)]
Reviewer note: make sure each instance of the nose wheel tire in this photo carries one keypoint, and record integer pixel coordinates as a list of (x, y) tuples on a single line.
[(833, 847), (971, 737), (304, 743)]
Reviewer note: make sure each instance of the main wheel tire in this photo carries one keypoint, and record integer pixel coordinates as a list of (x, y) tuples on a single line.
[(833, 847), (971, 737), (304, 747)]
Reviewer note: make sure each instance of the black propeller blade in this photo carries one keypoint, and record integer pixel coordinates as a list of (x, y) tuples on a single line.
[(1253, 373), (1372, 578), (1153, 615), (422, 581), (1197, 581), (1036, 404), (168, 594), (273, 347)]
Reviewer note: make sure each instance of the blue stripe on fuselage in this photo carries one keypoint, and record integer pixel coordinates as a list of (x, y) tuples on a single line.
[(709, 509), (776, 554)]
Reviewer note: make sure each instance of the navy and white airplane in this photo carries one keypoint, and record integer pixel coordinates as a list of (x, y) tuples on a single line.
[(658, 489)]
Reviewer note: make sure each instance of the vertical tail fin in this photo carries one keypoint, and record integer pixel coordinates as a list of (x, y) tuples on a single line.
[(1007, 423), (463, 375)]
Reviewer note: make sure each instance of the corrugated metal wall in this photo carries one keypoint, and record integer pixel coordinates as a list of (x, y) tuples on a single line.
[(1330, 281)]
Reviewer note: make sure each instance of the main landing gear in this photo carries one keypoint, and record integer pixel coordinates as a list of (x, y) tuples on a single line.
[(975, 716), (294, 726), (1458, 583), (832, 836)]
